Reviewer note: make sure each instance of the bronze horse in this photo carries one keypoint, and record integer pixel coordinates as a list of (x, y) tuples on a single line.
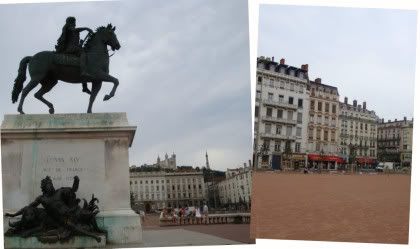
[(47, 68)]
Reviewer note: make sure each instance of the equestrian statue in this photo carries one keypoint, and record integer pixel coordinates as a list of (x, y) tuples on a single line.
[(74, 61)]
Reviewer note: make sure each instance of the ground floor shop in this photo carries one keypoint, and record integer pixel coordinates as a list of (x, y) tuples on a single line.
[(325, 162)]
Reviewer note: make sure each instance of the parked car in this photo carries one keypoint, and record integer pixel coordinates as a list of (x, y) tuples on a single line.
[(382, 166)]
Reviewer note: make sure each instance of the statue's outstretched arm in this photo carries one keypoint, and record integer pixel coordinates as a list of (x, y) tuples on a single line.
[(83, 29), (75, 184)]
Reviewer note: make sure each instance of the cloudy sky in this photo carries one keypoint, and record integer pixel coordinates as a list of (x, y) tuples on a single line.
[(183, 71), (369, 54)]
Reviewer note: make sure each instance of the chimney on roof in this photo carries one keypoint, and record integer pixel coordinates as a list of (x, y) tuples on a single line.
[(395, 120), (318, 80), (364, 105), (282, 61), (354, 103), (382, 120), (272, 58), (405, 119), (346, 100), (244, 165), (304, 67)]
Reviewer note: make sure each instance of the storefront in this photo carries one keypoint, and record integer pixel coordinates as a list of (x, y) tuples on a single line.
[(366, 162), (294, 161), (326, 162)]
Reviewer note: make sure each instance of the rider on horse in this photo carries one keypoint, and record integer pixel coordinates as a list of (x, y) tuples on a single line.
[(70, 43)]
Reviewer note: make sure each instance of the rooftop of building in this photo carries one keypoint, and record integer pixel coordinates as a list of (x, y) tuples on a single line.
[(149, 168), (396, 121), (356, 107), (317, 82), (278, 65)]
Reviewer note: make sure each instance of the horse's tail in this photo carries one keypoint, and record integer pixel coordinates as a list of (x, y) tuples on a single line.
[(17, 88)]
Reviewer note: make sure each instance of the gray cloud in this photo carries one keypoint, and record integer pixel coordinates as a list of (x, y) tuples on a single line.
[(183, 71)]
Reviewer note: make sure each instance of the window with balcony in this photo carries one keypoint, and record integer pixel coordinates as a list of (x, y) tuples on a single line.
[(278, 129), (277, 146), (289, 115), (289, 130), (333, 108), (300, 103), (291, 100), (297, 147), (320, 106), (267, 128), (327, 107), (287, 146), (313, 105), (299, 118), (279, 113), (269, 112), (311, 133), (298, 131), (270, 96), (318, 134), (332, 136), (281, 98), (259, 79)]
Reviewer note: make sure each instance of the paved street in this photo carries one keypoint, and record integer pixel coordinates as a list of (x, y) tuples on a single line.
[(181, 237), (217, 234)]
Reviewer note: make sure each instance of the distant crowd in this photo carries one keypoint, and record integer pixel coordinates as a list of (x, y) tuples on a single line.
[(181, 213)]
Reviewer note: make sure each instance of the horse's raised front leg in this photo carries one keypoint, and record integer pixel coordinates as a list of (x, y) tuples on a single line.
[(109, 78), (31, 85), (96, 86)]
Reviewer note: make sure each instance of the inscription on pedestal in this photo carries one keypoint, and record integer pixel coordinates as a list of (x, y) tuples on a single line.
[(85, 158)]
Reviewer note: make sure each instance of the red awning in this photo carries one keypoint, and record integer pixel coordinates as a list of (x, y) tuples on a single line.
[(325, 158), (365, 160)]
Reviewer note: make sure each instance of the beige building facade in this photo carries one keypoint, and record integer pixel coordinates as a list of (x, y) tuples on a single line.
[(323, 126), (358, 133), (156, 190)]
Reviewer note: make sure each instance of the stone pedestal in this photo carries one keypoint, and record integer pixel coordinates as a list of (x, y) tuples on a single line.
[(92, 146)]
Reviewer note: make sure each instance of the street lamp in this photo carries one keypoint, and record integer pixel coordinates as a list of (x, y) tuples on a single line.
[(352, 156)]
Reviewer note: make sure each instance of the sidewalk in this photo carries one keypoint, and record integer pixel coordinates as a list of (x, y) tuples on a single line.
[(181, 237)]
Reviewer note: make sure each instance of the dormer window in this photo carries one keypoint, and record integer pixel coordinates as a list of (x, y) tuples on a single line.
[(302, 75), (272, 67), (292, 72)]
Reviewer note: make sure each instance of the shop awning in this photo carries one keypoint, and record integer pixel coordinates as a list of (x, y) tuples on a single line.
[(325, 158), (365, 160)]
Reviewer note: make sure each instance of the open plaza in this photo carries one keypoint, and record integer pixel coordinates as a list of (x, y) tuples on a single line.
[(372, 208)]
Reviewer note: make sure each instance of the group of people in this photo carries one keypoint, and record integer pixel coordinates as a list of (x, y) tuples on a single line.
[(181, 213)]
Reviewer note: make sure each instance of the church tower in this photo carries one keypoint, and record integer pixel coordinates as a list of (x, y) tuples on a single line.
[(207, 161)]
